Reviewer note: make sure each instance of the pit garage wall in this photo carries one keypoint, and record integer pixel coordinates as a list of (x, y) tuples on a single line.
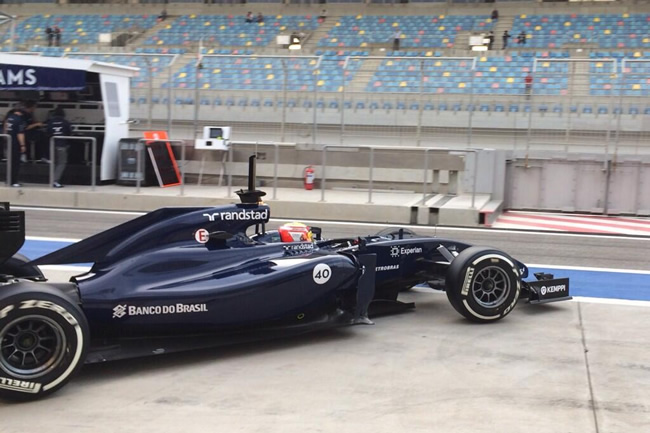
[(583, 183)]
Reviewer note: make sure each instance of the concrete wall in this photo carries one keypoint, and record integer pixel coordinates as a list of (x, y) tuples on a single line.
[(585, 183)]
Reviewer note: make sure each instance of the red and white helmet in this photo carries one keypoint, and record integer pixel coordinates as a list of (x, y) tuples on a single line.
[(295, 232)]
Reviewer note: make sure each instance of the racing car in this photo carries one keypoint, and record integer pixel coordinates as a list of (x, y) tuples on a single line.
[(184, 278)]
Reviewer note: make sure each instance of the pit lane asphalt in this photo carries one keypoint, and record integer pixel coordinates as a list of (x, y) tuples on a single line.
[(567, 367)]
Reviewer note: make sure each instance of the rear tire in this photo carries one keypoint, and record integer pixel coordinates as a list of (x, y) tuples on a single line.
[(483, 284), (43, 342)]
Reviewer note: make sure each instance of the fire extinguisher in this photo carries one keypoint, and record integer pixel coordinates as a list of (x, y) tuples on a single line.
[(309, 176)]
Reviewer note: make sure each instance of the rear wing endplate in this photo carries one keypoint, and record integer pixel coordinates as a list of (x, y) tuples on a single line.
[(12, 231)]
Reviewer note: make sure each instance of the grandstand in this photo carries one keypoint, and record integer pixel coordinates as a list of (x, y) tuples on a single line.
[(588, 63)]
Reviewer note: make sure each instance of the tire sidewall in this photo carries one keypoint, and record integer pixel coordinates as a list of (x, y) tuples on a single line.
[(72, 322), (462, 276)]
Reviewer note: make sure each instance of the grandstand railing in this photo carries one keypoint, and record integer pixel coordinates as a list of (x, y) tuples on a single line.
[(334, 99)]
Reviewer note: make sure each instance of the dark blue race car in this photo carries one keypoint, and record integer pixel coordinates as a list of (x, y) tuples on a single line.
[(193, 277)]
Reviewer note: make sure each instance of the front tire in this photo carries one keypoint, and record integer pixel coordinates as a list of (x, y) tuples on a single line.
[(43, 342), (483, 284)]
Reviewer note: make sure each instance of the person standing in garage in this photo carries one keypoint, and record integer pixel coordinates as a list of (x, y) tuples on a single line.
[(58, 126), (15, 125)]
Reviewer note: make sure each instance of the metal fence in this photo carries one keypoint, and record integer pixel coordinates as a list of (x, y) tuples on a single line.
[(590, 105)]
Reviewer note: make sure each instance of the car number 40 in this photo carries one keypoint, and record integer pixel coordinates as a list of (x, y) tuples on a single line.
[(322, 273)]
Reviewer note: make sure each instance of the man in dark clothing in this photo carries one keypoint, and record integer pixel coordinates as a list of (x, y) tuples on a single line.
[(396, 37), (57, 35), (521, 39), (495, 15), (58, 126), (15, 124), (50, 36), (505, 37), (490, 40)]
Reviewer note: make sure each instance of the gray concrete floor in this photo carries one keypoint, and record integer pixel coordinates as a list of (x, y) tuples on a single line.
[(424, 371), (569, 367)]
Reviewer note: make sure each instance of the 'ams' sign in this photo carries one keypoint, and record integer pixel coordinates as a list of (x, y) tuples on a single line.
[(20, 77), (29, 77)]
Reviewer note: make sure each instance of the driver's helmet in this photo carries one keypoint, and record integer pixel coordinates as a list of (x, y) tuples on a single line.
[(295, 232)]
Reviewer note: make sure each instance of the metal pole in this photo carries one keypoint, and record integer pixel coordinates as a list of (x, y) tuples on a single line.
[(343, 102), (149, 103), (475, 176), (620, 111), (138, 160), (169, 100), (530, 129), (324, 163), (12, 33), (196, 103), (424, 177), (418, 133), (608, 174), (284, 96), (471, 111), (182, 144), (52, 157), (93, 169), (315, 124), (9, 155), (275, 170), (230, 170), (372, 163), (567, 134)]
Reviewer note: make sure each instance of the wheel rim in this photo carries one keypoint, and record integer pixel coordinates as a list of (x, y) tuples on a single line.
[(31, 346), (490, 287)]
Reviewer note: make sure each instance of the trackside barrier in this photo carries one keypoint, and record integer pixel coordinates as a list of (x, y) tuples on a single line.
[(138, 162), (9, 150), (93, 168), (276, 158), (372, 149)]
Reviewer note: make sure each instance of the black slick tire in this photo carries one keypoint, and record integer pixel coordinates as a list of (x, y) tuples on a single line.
[(44, 337), (483, 284)]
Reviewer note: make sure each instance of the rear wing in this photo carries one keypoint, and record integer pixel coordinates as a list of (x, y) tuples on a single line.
[(12, 231)]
